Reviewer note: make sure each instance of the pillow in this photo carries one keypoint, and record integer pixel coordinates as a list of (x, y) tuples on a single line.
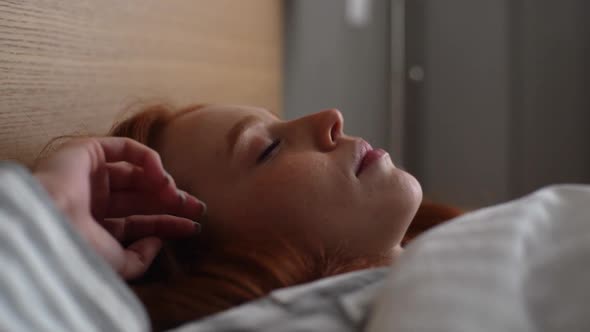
[(340, 303), (521, 266)]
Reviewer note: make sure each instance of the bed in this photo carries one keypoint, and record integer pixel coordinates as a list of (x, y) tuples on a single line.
[(71, 67)]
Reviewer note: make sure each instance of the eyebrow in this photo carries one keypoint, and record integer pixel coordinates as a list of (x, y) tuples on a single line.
[(236, 131)]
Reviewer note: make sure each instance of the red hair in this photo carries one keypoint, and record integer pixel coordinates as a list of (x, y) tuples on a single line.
[(194, 278)]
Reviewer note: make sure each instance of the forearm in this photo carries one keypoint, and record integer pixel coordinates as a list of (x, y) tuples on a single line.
[(50, 279)]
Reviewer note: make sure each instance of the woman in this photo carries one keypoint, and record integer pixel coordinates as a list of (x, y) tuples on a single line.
[(111, 196), (287, 202)]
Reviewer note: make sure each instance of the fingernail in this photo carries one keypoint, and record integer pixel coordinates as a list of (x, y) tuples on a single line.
[(182, 196), (204, 208), (197, 227)]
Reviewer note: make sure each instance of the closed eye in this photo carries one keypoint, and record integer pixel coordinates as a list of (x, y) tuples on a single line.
[(268, 151)]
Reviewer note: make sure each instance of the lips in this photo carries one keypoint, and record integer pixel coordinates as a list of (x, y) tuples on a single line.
[(366, 156), (371, 157), (362, 149)]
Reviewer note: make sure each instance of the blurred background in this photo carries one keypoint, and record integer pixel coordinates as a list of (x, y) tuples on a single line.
[(483, 101)]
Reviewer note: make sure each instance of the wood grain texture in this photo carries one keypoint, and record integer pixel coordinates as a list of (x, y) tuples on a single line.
[(71, 66)]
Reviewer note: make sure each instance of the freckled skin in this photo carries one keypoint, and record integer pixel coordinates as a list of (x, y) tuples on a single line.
[(307, 187)]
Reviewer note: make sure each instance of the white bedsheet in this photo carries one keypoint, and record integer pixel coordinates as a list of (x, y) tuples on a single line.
[(521, 266)]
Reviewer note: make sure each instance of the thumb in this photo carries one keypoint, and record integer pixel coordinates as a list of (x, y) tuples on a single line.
[(139, 256)]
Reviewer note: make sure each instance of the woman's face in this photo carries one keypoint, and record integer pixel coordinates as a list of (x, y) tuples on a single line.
[(296, 178)]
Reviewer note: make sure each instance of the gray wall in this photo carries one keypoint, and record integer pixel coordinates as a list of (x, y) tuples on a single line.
[(554, 119), (503, 109), (458, 140), (330, 63)]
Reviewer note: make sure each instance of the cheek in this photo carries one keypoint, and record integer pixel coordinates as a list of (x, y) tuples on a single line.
[(304, 196), (285, 190)]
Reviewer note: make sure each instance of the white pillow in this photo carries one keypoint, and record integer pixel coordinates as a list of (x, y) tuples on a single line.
[(521, 266)]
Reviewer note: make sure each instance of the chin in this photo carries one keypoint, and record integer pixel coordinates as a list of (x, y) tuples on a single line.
[(404, 191), (414, 191), (396, 209)]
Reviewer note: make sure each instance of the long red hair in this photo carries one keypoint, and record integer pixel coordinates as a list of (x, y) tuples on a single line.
[(194, 278)]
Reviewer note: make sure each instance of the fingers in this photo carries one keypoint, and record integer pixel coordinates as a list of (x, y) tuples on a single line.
[(134, 194), (115, 153), (109, 150), (161, 226), (126, 176), (139, 256), (147, 232), (124, 204), (124, 149)]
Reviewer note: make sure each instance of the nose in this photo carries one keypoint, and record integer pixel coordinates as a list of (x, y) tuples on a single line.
[(327, 127)]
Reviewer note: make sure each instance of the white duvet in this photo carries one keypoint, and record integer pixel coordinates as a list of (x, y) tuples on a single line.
[(521, 266)]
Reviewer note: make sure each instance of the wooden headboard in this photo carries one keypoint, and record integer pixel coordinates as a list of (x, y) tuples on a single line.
[(72, 66)]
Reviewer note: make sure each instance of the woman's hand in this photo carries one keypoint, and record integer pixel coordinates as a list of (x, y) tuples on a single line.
[(115, 190)]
